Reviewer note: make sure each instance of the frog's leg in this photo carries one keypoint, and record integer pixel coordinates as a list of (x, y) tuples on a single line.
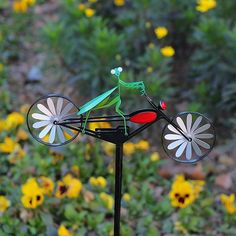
[(86, 120), (121, 113)]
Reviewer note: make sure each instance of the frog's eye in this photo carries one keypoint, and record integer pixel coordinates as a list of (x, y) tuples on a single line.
[(120, 69), (113, 71)]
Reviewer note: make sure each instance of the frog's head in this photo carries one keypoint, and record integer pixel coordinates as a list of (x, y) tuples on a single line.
[(116, 71)]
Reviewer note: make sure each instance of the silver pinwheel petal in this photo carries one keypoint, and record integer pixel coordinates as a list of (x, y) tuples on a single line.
[(195, 128)]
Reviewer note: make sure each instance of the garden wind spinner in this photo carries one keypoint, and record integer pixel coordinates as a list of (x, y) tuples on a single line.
[(55, 120)]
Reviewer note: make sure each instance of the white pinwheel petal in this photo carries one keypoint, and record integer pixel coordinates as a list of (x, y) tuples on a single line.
[(68, 131), (202, 128), (45, 131), (51, 106), (52, 134), (60, 134), (173, 136), (175, 144), (189, 122), (173, 129), (196, 123), (59, 105), (189, 151), (44, 109), (202, 143), (181, 124), (181, 149), (66, 109), (196, 149), (38, 116), (40, 124), (204, 136)]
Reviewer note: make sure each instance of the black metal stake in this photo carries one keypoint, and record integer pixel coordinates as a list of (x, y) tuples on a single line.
[(118, 187)]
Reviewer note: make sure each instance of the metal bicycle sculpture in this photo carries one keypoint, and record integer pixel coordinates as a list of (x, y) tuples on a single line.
[(55, 120)]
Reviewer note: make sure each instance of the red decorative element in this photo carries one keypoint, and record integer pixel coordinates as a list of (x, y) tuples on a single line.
[(163, 105), (144, 117)]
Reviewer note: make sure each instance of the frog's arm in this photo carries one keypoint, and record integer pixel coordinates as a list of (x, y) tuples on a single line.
[(92, 104), (134, 85)]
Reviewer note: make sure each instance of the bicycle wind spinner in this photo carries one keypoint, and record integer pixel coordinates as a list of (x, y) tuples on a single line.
[(55, 120)]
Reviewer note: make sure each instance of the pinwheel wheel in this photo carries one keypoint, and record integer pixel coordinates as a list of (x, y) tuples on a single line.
[(200, 137), (44, 117)]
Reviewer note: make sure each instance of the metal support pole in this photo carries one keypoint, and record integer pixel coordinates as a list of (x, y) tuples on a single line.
[(118, 186)]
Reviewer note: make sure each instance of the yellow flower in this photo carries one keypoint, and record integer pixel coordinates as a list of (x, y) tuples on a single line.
[(99, 125), (197, 186), (126, 197), (75, 169), (30, 2), (17, 154), (205, 5), (228, 202), (14, 119), (8, 146), (119, 3), (63, 231), (20, 6), (69, 186), (32, 194), (168, 51), (81, 6), (182, 193), (4, 204), (155, 157), (107, 200), (2, 125), (61, 190), (98, 182), (1, 67), (142, 145), (161, 32), (89, 12), (129, 148), (22, 135), (108, 148), (46, 184), (56, 157)]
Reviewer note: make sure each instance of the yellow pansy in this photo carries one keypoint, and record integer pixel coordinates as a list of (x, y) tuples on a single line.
[(182, 193), (2, 125), (22, 135), (75, 169), (168, 51), (8, 146), (98, 182), (46, 184), (14, 119), (119, 3), (205, 5), (129, 148), (228, 202), (126, 197), (155, 157), (20, 6), (107, 200), (61, 190), (4, 204), (63, 231), (142, 145), (81, 6), (99, 125), (161, 32), (74, 188), (89, 12)]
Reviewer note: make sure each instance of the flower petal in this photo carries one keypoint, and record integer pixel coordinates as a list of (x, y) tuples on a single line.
[(173, 136), (189, 151), (189, 122), (202, 128), (173, 129), (181, 149), (51, 106), (40, 124), (44, 132), (175, 144), (204, 136), (60, 134), (38, 116), (66, 109), (59, 105), (202, 143), (44, 109), (181, 124), (196, 148), (52, 134), (196, 123)]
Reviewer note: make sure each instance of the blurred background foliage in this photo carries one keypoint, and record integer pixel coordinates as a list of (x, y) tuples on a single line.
[(183, 50)]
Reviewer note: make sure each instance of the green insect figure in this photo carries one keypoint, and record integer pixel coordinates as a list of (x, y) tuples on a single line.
[(104, 100)]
